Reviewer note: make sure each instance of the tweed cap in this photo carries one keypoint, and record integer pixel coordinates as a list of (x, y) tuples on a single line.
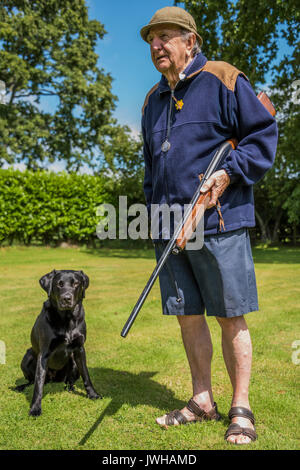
[(172, 15)]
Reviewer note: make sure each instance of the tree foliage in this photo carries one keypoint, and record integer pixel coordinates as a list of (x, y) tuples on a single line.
[(244, 33), (47, 49), (44, 207)]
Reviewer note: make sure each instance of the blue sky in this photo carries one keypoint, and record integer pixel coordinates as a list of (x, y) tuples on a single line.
[(124, 54)]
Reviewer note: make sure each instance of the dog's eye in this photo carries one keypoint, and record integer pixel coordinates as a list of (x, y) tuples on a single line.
[(76, 284), (60, 284)]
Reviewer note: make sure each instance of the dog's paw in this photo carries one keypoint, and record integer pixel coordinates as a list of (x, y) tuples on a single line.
[(93, 395), (35, 411)]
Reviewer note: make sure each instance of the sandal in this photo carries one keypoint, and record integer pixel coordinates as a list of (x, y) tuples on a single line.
[(236, 429), (196, 410)]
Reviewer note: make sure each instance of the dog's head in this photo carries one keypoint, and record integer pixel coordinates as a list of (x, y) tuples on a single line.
[(65, 288)]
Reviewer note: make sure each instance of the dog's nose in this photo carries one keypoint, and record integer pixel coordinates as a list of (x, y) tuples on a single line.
[(67, 297)]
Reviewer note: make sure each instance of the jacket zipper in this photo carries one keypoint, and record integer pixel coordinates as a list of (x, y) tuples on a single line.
[(167, 146), (169, 117)]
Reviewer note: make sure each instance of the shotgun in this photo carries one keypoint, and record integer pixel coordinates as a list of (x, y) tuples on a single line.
[(192, 216)]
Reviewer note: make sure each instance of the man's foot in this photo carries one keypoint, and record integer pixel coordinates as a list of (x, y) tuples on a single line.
[(241, 429), (191, 413)]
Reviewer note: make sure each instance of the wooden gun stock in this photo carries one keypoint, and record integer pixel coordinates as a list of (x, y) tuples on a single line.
[(265, 100), (191, 223), (201, 204)]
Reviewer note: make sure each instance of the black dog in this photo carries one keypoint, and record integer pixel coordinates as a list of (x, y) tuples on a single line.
[(58, 337)]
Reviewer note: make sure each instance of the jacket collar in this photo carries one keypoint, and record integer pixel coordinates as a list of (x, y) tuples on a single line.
[(191, 70)]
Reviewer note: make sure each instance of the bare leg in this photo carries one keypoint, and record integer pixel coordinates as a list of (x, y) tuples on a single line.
[(197, 342), (237, 353)]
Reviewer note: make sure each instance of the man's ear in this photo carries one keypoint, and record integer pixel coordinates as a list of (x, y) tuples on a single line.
[(86, 281), (46, 281)]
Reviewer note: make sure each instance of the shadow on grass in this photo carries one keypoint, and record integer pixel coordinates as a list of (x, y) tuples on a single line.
[(132, 389), (50, 388), (276, 255), (148, 253), (123, 388)]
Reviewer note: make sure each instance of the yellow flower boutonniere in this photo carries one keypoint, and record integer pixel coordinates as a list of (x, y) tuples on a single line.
[(178, 104)]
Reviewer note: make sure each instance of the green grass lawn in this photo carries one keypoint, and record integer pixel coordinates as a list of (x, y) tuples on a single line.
[(146, 374)]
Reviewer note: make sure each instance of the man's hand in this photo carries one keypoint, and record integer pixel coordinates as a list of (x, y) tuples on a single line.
[(217, 183)]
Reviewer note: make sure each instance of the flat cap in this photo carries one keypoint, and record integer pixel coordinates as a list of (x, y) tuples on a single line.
[(172, 15)]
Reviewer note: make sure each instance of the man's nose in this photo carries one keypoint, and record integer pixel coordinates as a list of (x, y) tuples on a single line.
[(156, 43)]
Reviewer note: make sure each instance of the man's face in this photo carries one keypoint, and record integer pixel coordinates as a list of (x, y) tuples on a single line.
[(168, 48)]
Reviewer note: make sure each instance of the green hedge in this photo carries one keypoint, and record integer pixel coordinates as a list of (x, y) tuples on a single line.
[(47, 207)]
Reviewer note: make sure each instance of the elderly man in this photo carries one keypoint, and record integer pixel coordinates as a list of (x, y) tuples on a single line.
[(186, 116)]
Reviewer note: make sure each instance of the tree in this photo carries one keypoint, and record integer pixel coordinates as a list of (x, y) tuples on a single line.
[(282, 185), (47, 50), (124, 160), (244, 33), (286, 93)]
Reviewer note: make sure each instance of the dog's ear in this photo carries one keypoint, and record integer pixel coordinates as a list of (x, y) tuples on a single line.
[(46, 281), (86, 281)]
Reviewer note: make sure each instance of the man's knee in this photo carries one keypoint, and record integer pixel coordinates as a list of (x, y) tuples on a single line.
[(191, 321), (232, 323), (235, 329)]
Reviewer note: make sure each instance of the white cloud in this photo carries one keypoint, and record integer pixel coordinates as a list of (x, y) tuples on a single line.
[(15, 166)]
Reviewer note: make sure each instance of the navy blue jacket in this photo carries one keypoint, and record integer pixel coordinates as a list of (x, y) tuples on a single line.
[(218, 103)]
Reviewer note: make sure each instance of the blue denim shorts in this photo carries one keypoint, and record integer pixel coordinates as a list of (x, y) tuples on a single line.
[(218, 279)]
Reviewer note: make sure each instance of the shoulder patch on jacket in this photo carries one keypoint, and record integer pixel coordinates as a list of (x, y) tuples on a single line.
[(223, 71), (148, 95)]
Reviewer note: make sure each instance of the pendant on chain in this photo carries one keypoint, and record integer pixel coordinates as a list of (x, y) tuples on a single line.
[(166, 146)]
